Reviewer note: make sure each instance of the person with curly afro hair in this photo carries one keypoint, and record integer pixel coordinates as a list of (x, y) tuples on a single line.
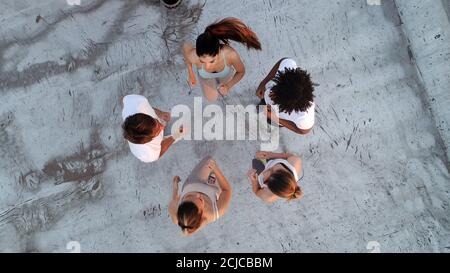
[(288, 90)]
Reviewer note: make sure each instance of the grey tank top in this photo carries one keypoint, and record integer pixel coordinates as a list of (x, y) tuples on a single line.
[(212, 191)]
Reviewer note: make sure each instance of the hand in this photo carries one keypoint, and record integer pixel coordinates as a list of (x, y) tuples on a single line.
[(224, 89), (252, 175), (176, 179), (165, 116), (192, 81), (212, 164), (262, 155), (181, 132), (260, 92), (268, 111)]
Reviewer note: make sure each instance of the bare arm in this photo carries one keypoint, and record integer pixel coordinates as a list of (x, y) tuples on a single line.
[(188, 51), (286, 123), (173, 205), (225, 197), (266, 196), (291, 126), (263, 194), (271, 155), (236, 62), (296, 162), (269, 77), (165, 144)]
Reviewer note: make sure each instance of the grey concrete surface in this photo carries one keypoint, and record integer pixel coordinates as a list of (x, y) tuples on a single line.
[(375, 164), (426, 25)]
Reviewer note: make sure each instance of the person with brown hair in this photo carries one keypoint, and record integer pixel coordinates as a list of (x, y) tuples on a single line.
[(276, 175), (214, 62), (143, 128), (204, 198)]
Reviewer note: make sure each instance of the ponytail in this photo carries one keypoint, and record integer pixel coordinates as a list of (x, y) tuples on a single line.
[(282, 183), (189, 217), (297, 194), (220, 33)]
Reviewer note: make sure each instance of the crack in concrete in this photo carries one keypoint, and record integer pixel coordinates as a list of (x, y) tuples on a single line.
[(37, 72)]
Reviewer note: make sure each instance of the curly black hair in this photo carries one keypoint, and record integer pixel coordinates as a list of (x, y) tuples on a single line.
[(293, 90)]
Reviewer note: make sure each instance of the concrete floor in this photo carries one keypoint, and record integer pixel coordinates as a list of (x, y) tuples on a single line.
[(375, 166)]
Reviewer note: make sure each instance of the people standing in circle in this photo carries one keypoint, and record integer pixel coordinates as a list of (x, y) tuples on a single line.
[(143, 127), (288, 90), (276, 175), (214, 62), (204, 198)]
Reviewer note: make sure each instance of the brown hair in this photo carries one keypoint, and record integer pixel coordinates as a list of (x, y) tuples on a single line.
[(138, 128), (189, 217), (218, 34), (282, 183)]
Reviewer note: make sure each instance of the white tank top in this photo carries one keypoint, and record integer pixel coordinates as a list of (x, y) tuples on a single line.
[(272, 163)]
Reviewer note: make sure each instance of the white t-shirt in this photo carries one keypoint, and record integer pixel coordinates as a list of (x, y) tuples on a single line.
[(148, 152), (303, 120)]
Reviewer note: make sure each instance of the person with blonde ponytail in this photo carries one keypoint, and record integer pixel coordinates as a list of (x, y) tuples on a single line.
[(276, 175), (216, 65), (204, 198)]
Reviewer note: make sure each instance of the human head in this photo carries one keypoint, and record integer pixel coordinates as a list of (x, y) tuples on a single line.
[(283, 184), (220, 33), (293, 90), (141, 128), (190, 213)]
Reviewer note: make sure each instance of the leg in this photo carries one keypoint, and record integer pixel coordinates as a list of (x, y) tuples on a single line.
[(165, 144), (209, 88), (202, 171)]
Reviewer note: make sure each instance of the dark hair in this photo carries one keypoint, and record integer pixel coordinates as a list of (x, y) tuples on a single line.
[(138, 128), (218, 34), (293, 90), (282, 183), (189, 217)]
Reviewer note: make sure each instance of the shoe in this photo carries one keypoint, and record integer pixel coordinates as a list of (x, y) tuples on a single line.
[(171, 4)]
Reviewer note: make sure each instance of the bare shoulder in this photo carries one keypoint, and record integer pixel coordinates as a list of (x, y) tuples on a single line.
[(192, 56), (230, 53), (295, 161), (267, 196)]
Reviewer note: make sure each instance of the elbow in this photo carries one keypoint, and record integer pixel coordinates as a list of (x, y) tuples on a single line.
[(228, 190), (242, 72), (303, 131)]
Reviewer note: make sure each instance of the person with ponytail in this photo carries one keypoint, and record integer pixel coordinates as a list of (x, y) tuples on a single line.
[(276, 175), (205, 197), (216, 65)]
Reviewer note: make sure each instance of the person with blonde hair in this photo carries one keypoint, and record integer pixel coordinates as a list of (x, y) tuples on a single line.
[(276, 175)]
